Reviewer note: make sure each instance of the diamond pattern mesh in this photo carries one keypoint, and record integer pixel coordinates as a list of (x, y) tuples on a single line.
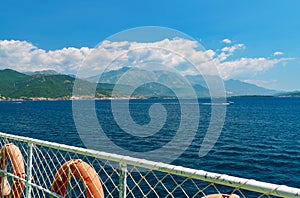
[(45, 161)]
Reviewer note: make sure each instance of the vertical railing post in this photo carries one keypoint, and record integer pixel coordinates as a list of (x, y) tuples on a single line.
[(29, 170), (122, 180), (2, 157)]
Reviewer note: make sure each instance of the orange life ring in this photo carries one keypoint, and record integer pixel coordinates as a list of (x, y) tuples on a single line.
[(13, 153), (222, 196), (84, 172)]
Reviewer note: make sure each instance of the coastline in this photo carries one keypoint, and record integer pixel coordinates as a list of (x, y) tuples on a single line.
[(65, 98), (3, 99)]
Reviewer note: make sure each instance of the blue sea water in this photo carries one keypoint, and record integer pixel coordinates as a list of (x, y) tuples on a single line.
[(260, 138)]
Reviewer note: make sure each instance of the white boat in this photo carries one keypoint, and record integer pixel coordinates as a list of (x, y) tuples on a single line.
[(217, 103)]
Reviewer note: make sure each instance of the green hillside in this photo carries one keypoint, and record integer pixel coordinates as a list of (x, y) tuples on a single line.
[(10, 81), (48, 86), (17, 85)]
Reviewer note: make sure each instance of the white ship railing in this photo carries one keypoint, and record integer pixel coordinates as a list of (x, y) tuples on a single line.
[(123, 176)]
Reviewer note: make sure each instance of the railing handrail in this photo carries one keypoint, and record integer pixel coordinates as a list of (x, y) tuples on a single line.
[(223, 179)]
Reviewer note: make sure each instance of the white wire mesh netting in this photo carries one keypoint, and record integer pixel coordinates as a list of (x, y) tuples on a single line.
[(120, 176)]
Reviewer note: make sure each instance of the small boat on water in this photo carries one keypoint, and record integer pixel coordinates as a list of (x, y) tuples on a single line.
[(217, 103)]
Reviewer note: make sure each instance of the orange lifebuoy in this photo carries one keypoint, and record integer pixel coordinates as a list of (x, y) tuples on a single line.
[(222, 196), (13, 153), (82, 171)]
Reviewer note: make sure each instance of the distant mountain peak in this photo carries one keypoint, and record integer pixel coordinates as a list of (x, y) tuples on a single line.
[(236, 87), (47, 72)]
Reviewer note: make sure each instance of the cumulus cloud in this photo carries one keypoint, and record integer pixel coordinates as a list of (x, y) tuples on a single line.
[(180, 54), (24, 56), (227, 41), (247, 66), (278, 53), (172, 53), (229, 51), (233, 48)]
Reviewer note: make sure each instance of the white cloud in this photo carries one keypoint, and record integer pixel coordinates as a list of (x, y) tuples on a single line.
[(233, 48), (172, 53), (278, 53), (227, 41), (24, 56), (247, 66), (228, 51)]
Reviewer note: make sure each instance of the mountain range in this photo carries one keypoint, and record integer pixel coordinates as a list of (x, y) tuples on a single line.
[(50, 84), (176, 82)]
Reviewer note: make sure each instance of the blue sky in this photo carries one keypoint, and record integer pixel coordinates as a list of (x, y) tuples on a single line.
[(263, 27)]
